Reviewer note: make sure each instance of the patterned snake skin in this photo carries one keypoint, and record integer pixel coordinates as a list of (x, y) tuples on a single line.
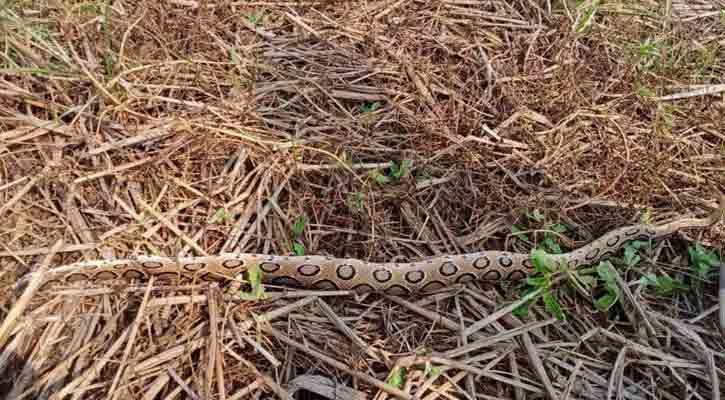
[(328, 273)]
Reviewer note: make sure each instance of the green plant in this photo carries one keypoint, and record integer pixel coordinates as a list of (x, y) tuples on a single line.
[(397, 377), (254, 274), (369, 107), (585, 15), (544, 283), (643, 91), (549, 242), (702, 261), (631, 249), (297, 228), (256, 19), (664, 285), (355, 201), (221, 216), (397, 171), (605, 271)]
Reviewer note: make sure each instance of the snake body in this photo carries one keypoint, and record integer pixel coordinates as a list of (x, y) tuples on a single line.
[(329, 273)]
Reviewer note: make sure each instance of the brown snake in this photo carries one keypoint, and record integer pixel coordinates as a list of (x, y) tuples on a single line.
[(328, 273)]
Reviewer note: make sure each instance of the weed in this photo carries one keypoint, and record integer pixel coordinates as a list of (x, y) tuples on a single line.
[(544, 283), (664, 285), (256, 19), (254, 274), (517, 231), (297, 228), (549, 242), (221, 216), (369, 107), (586, 11), (397, 377), (643, 91), (396, 172), (355, 201), (605, 271), (702, 261)]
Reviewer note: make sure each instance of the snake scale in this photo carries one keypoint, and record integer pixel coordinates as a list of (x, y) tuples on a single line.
[(329, 273)]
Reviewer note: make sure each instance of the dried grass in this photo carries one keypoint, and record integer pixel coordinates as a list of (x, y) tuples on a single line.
[(189, 127)]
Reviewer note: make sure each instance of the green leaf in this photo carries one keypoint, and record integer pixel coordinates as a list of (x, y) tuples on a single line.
[(516, 231), (298, 248), (606, 302), (299, 226), (397, 378), (399, 171), (559, 228), (630, 255), (370, 107), (220, 216), (550, 244), (537, 281), (434, 372), (521, 311), (541, 261), (254, 274), (379, 177), (702, 260), (553, 306), (605, 273), (355, 201), (666, 285), (536, 215)]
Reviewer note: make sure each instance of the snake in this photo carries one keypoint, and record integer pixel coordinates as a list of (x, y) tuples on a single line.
[(330, 273)]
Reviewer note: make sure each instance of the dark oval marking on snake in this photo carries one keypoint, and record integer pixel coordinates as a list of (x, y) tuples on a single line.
[(492, 275), (382, 275), (631, 232), (209, 277), (194, 266), (482, 262), (467, 277), (528, 263), (346, 272), (650, 232), (613, 241), (234, 263), (151, 264), (325, 284), (505, 261), (414, 276), (120, 266), (308, 269), (592, 254), (572, 263), (105, 275), (76, 277), (607, 253), (433, 286), (286, 281), (134, 274), (269, 267), (167, 276), (363, 288), (397, 290), (516, 275), (448, 268)]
